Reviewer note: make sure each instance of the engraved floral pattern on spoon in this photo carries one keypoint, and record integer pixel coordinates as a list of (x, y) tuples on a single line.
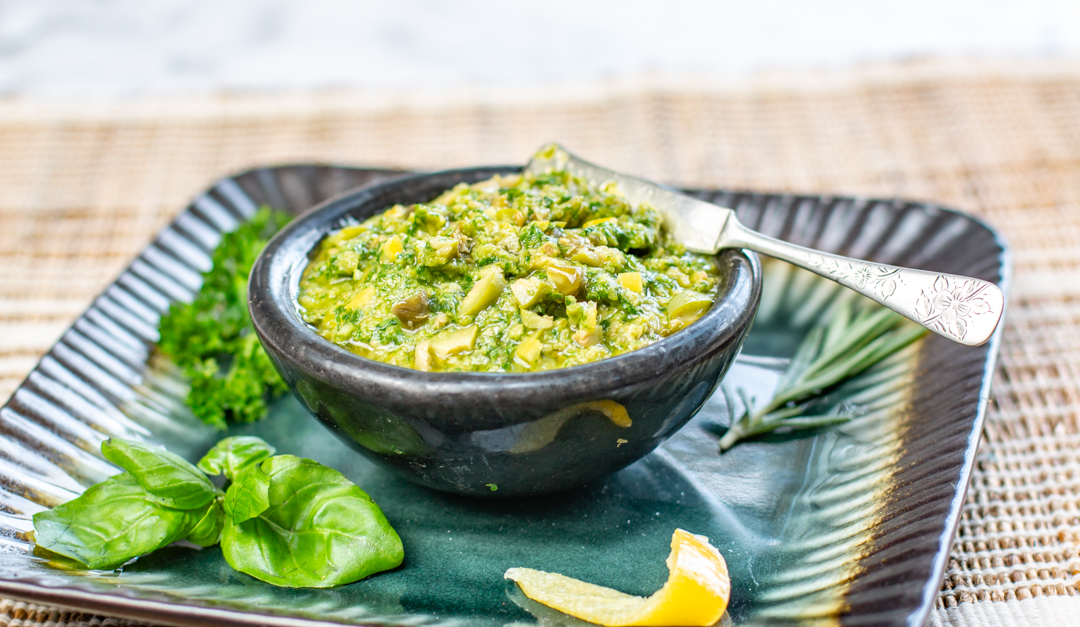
[(882, 279), (951, 305)]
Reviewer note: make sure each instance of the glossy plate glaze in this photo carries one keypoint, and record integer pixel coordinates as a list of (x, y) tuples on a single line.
[(847, 526)]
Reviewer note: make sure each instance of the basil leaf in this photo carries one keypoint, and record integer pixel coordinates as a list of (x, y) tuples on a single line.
[(231, 455), (109, 524), (206, 524), (167, 477), (320, 530), (248, 496)]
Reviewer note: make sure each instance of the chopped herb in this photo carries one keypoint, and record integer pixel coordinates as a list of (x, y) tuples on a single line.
[(212, 340)]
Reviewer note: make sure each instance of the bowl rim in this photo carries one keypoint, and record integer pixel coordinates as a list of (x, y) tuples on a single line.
[(276, 320)]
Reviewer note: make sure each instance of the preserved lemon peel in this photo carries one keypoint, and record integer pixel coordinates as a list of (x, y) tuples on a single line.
[(695, 594)]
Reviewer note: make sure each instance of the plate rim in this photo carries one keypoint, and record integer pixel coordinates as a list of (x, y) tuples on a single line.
[(956, 507)]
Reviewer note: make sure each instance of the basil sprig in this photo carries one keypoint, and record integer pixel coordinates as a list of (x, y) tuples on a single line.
[(168, 478), (231, 455), (285, 520), (297, 523), (161, 499)]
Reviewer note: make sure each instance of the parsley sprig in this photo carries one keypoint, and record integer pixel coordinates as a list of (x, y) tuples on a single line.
[(212, 340), (843, 347)]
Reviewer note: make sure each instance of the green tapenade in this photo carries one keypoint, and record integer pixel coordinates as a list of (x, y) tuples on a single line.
[(516, 273)]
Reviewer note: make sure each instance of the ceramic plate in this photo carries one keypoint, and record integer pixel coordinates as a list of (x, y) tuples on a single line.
[(851, 525)]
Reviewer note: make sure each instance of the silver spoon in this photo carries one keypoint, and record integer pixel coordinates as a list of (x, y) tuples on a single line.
[(963, 309)]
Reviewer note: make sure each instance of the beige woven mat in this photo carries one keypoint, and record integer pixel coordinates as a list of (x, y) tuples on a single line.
[(84, 186)]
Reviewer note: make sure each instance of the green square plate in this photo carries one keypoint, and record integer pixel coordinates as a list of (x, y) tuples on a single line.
[(850, 525)]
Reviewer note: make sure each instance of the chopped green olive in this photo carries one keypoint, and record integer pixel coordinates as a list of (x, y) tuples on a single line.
[(529, 350), (453, 342), (530, 291), (516, 273), (565, 277), (437, 251), (485, 292), (686, 307), (536, 321)]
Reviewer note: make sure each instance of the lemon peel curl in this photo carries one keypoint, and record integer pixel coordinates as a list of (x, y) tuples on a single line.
[(695, 595)]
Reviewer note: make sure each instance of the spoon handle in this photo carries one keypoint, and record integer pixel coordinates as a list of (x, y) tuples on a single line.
[(963, 309)]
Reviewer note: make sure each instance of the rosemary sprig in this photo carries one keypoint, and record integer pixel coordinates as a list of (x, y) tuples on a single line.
[(831, 353)]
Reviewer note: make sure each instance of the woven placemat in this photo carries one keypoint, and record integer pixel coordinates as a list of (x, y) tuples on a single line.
[(84, 186)]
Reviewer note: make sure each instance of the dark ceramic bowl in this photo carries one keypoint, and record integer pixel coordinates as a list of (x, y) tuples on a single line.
[(491, 434)]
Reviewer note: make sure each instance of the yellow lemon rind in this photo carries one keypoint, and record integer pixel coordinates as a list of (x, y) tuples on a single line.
[(695, 595)]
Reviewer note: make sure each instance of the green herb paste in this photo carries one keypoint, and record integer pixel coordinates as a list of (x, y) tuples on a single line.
[(513, 274)]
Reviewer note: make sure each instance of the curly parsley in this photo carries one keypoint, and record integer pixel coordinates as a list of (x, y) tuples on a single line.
[(212, 340)]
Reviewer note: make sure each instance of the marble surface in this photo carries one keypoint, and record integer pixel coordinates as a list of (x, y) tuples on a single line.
[(65, 48)]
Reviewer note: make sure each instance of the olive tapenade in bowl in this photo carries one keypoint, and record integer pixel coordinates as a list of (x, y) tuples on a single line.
[(488, 332)]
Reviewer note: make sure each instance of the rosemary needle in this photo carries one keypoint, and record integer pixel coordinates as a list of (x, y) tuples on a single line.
[(831, 353)]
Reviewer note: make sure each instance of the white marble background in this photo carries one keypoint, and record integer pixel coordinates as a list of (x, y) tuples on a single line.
[(117, 48)]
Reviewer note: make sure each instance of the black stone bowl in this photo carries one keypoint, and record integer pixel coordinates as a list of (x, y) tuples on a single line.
[(491, 434)]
